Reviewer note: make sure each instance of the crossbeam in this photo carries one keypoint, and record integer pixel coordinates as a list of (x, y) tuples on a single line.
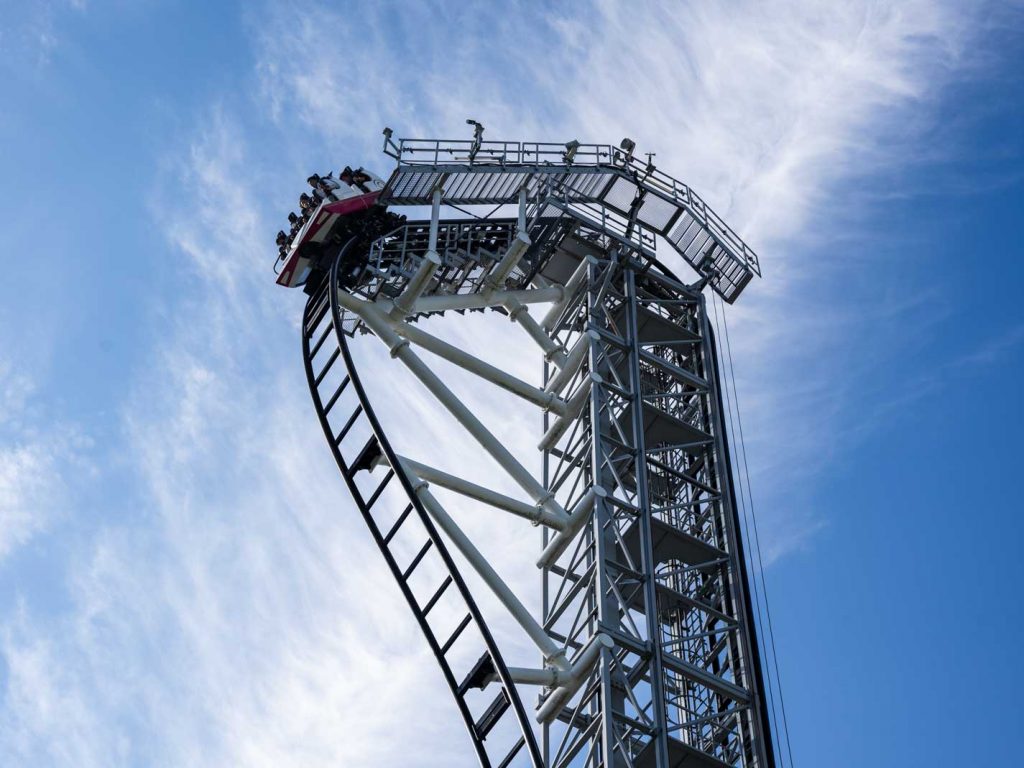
[(459, 485), (375, 319)]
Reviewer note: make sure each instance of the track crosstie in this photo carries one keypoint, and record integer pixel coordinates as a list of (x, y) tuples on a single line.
[(321, 333)]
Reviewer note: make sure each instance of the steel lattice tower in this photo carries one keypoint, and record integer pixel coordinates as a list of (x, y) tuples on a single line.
[(646, 633)]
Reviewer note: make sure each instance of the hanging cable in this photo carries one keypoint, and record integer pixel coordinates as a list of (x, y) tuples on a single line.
[(757, 538), (752, 564)]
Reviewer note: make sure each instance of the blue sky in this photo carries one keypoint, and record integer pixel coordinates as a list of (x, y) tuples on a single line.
[(182, 581)]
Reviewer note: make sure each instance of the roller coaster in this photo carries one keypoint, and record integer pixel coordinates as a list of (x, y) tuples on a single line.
[(647, 633)]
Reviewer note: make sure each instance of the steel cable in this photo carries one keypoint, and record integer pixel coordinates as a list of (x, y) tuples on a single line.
[(753, 524)]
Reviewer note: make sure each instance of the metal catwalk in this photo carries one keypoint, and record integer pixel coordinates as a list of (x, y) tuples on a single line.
[(646, 638)]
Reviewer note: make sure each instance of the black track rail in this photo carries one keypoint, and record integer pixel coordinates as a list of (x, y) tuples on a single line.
[(322, 331)]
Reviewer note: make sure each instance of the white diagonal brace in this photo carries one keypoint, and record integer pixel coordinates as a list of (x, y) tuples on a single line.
[(570, 414), (581, 666), (514, 253), (573, 361), (519, 313), (376, 320), (577, 517), (428, 266), (572, 287), (498, 500), (553, 653), (405, 303), (499, 274), (498, 377)]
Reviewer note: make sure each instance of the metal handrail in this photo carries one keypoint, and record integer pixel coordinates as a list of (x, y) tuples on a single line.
[(439, 152)]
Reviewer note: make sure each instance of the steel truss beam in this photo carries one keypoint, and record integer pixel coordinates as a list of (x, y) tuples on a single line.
[(648, 657), (658, 569)]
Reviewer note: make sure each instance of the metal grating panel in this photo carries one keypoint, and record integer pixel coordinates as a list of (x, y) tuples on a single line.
[(601, 176), (621, 194), (657, 213)]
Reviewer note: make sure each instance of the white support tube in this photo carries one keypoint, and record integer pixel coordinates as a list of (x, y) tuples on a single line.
[(553, 654), (549, 677), (435, 217), (406, 302), (516, 249), (572, 363), (520, 314), (521, 221), (546, 400), (443, 302), (573, 409), (572, 287), (581, 667), (577, 517), (375, 318), (486, 495), (541, 282)]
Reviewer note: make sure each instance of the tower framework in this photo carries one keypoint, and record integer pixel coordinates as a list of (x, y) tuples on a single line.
[(645, 627)]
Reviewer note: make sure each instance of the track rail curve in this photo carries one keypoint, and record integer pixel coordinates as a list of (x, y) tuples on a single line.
[(322, 332)]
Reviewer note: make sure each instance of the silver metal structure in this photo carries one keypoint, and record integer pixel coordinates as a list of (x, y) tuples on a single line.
[(648, 656)]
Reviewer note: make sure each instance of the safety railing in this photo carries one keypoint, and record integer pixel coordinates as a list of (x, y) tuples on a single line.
[(549, 157)]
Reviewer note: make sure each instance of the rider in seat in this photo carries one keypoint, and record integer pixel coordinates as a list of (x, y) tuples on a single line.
[(282, 245), (308, 206), (324, 187), (362, 179), (350, 177)]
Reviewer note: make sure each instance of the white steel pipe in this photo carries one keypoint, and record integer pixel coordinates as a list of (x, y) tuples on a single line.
[(375, 318), (549, 677), (577, 517), (493, 374), (521, 220), (572, 287), (442, 302), (552, 652), (572, 363), (520, 314), (572, 410), (486, 495), (435, 216), (581, 667), (499, 274), (418, 283), (404, 303)]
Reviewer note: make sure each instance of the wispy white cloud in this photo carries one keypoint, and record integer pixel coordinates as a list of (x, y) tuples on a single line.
[(38, 695), (218, 627), (238, 617), (34, 463), (993, 351), (32, 31), (26, 493), (774, 112)]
